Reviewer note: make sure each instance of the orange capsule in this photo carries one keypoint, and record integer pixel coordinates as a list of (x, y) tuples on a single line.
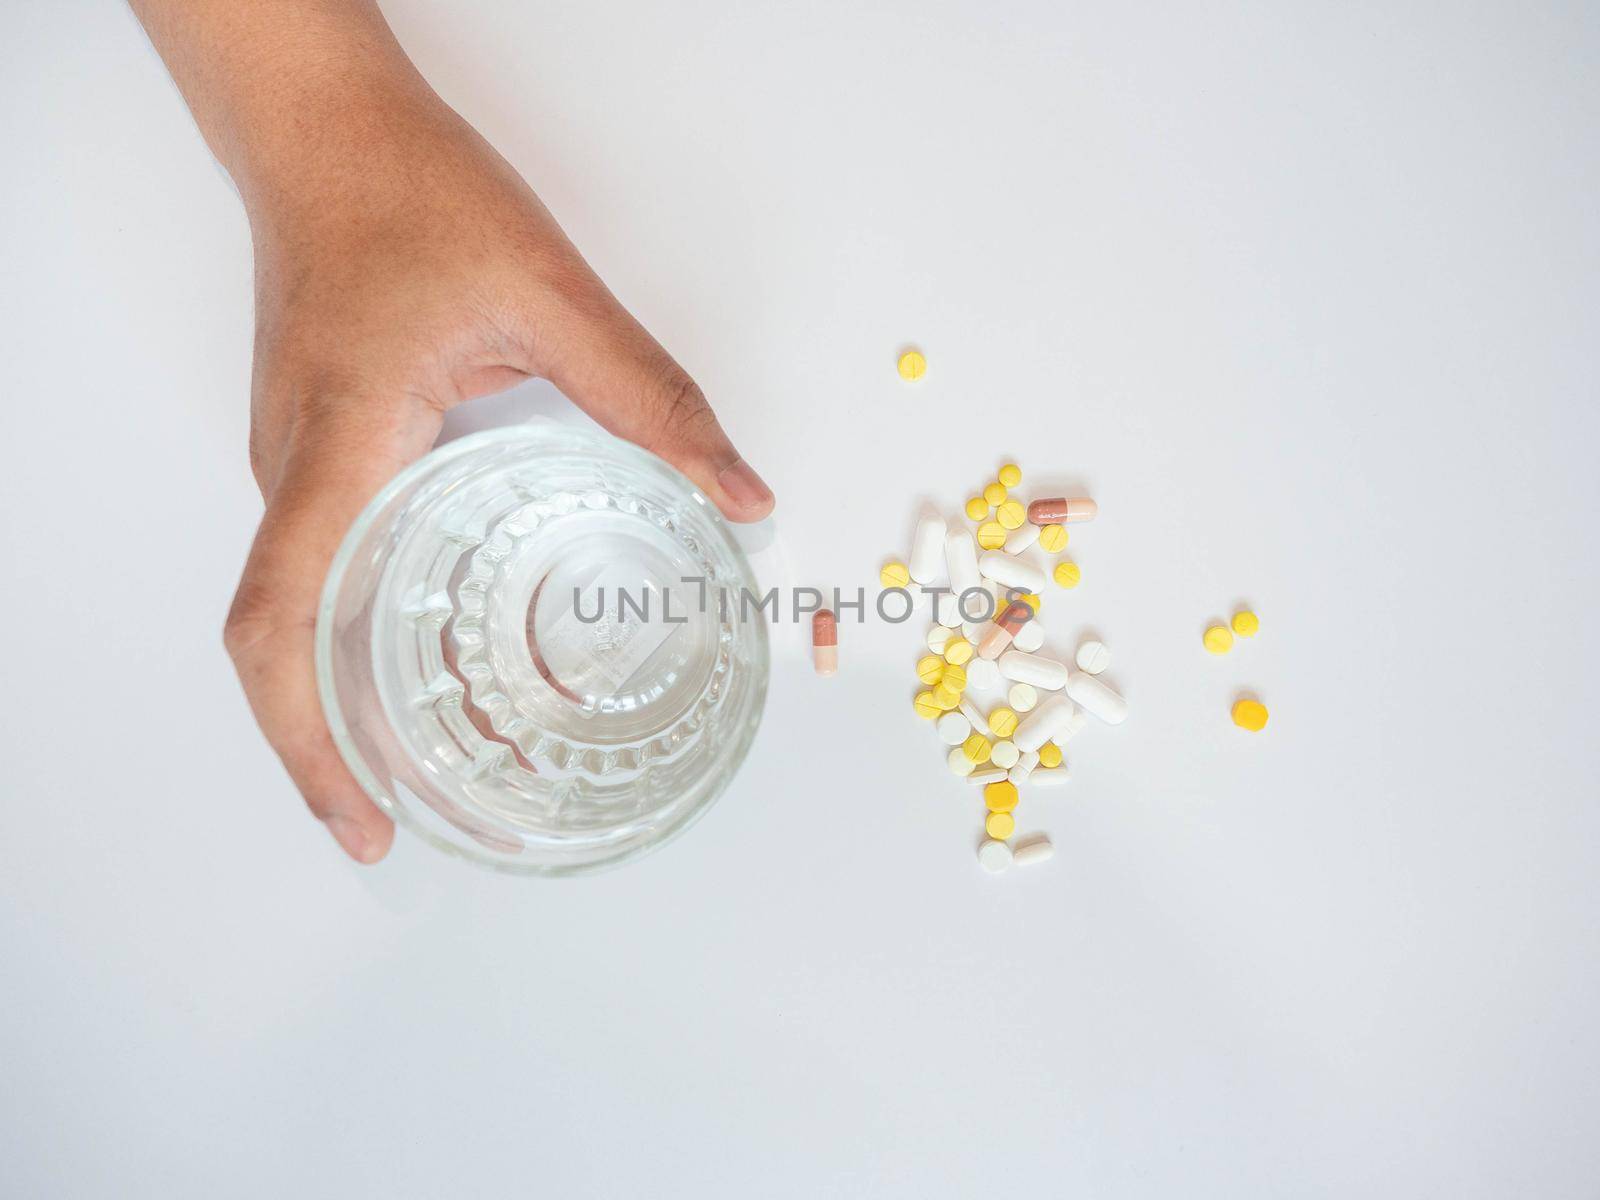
[(825, 641), (999, 634), (1060, 509)]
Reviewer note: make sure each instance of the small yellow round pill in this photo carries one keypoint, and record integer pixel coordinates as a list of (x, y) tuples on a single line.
[(927, 707), (1003, 722), (912, 365), (1067, 574), (995, 494), (976, 748), (958, 651), (955, 676), (1011, 514), (1049, 755), (1031, 599), (1245, 623), (946, 696), (1000, 796), (1011, 475), (1218, 640), (930, 669), (1000, 825), (894, 575), (977, 508), (1053, 538), (1251, 715), (991, 535)]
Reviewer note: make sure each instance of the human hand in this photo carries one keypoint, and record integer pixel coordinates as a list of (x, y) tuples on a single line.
[(419, 272)]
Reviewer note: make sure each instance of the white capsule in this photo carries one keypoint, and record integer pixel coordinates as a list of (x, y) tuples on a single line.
[(1095, 696), (961, 561), (1030, 637), (1011, 572), (1004, 754), (1048, 777), (938, 638), (1027, 760), (953, 728), (1044, 723), (1019, 540), (970, 710), (986, 774), (983, 675), (1021, 697), (1093, 657), (994, 855), (927, 547), (958, 762), (946, 612), (1032, 852), (1044, 673)]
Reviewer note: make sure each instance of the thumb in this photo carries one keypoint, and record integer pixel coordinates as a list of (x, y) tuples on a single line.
[(617, 373)]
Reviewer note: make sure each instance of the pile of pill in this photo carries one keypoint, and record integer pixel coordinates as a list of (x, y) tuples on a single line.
[(985, 582)]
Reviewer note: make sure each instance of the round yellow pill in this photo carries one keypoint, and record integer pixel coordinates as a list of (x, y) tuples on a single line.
[(977, 508), (930, 669), (1218, 640), (1011, 475), (1011, 514), (946, 696), (958, 651), (894, 575), (1049, 755), (1000, 825), (991, 535), (1031, 599), (927, 707), (976, 748), (955, 676), (1000, 796), (1053, 538), (912, 365), (1245, 623), (1067, 574), (1003, 722), (1250, 714), (995, 494)]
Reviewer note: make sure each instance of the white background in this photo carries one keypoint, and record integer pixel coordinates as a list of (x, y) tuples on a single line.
[(1305, 295)]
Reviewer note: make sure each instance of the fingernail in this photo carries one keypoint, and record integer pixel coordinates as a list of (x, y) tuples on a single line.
[(743, 486), (352, 837)]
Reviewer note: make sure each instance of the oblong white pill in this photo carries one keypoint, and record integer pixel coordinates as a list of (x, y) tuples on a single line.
[(1044, 723), (1021, 697), (938, 638), (1004, 755), (1049, 777), (1041, 672), (970, 710), (1095, 696), (1036, 851), (995, 856), (946, 612), (927, 547), (953, 728), (987, 774), (1030, 637), (1093, 657), (1019, 540), (1027, 760), (1011, 572), (961, 560), (958, 762), (983, 675)]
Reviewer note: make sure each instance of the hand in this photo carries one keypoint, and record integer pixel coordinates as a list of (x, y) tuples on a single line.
[(387, 290)]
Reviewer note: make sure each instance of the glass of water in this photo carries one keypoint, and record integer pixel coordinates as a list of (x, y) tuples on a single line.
[(534, 649)]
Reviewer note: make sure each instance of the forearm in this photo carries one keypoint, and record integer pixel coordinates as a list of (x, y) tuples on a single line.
[(293, 96)]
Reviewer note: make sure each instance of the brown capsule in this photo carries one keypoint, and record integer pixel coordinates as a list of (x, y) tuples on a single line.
[(1004, 627), (1060, 509), (825, 641)]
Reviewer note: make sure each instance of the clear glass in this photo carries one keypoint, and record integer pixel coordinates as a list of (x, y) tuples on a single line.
[(530, 650)]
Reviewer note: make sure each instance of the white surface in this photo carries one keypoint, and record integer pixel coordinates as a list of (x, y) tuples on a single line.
[(1305, 296)]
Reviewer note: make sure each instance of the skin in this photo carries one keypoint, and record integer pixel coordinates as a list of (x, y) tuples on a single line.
[(401, 267)]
